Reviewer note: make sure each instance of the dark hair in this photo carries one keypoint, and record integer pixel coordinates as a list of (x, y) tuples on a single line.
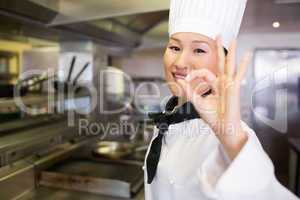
[(225, 51)]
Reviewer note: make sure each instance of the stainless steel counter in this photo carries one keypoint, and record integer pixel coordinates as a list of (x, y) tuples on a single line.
[(29, 136), (54, 149), (88, 169), (118, 178), (45, 193), (20, 144)]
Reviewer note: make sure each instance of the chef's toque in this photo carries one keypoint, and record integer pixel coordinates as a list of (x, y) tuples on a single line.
[(207, 17)]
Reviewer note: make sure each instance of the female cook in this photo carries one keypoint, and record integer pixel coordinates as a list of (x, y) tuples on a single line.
[(201, 149)]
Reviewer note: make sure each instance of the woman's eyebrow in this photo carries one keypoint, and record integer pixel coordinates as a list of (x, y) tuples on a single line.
[(199, 41), (194, 41), (177, 40)]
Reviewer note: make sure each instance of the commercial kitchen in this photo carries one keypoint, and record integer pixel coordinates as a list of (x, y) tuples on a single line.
[(79, 78)]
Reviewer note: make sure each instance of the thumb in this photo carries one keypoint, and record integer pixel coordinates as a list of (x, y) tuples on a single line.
[(188, 90), (184, 86)]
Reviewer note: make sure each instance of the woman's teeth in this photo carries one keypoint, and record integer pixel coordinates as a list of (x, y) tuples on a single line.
[(179, 76)]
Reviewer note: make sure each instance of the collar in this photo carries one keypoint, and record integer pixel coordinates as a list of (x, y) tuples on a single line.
[(170, 115)]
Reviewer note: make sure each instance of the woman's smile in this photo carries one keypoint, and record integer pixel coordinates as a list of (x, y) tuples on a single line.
[(179, 75), (186, 52)]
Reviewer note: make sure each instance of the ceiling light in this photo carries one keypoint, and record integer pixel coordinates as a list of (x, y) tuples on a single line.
[(276, 24)]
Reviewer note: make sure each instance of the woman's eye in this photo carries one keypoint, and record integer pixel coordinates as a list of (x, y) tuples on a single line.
[(174, 48), (199, 51)]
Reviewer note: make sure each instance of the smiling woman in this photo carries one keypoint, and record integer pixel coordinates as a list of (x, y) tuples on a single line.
[(186, 52), (201, 149)]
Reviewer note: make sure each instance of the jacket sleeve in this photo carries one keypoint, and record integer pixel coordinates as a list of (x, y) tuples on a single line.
[(250, 176)]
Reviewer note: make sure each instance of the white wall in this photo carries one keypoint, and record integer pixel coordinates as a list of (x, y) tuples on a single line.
[(146, 63), (40, 59), (249, 42)]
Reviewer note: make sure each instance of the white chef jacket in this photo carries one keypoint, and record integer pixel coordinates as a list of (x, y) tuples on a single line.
[(194, 166)]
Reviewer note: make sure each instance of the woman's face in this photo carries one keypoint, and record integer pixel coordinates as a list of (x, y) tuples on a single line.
[(186, 52)]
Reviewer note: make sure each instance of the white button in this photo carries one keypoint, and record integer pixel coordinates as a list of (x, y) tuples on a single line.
[(143, 167)]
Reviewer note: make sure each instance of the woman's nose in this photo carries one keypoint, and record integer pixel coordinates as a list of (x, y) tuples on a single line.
[(181, 61)]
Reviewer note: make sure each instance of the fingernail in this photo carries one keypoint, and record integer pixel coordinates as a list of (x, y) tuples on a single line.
[(187, 78)]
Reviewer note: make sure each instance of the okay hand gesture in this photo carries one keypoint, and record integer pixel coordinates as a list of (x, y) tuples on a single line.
[(221, 107)]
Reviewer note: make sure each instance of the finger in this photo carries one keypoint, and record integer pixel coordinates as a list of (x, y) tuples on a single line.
[(230, 59), (221, 63), (222, 95), (221, 56), (203, 87), (186, 88), (201, 73), (189, 91), (215, 88), (243, 66)]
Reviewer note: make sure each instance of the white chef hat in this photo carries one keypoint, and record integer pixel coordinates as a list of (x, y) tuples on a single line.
[(207, 17)]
